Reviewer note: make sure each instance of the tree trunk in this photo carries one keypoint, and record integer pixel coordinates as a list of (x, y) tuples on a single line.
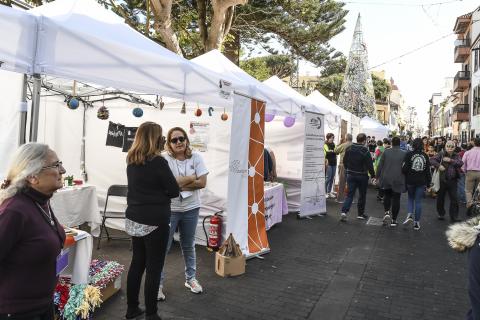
[(162, 10), (221, 21)]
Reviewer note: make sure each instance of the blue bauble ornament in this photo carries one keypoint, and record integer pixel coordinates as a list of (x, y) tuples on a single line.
[(73, 103), (137, 112)]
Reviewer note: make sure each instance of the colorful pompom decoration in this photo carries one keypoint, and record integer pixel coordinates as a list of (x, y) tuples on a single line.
[(103, 113), (73, 103)]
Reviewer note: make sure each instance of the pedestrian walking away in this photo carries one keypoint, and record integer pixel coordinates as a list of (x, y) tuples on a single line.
[(391, 180), (448, 163), (342, 179), (358, 165), (416, 168)]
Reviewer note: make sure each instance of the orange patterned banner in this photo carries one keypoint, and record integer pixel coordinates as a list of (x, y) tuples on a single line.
[(257, 235)]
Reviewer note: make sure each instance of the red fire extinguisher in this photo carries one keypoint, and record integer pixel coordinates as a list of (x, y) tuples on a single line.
[(214, 236)]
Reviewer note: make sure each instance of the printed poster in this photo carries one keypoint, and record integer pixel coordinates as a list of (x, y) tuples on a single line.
[(199, 135), (312, 197)]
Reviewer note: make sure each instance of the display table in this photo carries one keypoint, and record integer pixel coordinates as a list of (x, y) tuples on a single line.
[(76, 205), (275, 203), (79, 258)]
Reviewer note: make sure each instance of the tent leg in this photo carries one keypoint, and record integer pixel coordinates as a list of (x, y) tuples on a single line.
[(37, 87), (23, 113), (82, 151)]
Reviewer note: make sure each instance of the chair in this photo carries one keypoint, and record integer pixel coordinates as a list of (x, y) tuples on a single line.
[(114, 190)]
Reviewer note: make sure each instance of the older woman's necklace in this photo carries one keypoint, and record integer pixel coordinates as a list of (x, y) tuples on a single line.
[(48, 214)]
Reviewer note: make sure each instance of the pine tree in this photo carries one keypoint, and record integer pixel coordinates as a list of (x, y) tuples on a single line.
[(357, 95)]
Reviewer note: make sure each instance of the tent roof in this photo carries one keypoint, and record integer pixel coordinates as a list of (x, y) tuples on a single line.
[(17, 48), (81, 40), (277, 84), (319, 99), (277, 101)]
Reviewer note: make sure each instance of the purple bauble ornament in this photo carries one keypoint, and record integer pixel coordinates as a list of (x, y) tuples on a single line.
[(269, 117), (289, 121)]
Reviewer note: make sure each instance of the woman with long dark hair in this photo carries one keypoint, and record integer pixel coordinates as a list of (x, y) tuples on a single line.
[(151, 185)]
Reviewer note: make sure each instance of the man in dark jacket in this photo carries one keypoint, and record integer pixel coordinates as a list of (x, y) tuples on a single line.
[(358, 164)]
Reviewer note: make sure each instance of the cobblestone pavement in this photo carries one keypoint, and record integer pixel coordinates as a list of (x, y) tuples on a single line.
[(321, 269)]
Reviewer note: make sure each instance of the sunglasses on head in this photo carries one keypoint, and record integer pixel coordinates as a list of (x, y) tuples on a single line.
[(179, 139)]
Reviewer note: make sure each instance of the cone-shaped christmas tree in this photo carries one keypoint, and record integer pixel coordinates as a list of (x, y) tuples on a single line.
[(357, 95)]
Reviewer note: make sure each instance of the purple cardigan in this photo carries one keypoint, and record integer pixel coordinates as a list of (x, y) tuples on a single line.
[(452, 167), (29, 247)]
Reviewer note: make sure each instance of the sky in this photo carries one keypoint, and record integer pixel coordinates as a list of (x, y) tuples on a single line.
[(394, 27)]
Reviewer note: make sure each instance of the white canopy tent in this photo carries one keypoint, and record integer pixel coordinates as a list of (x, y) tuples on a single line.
[(374, 128), (319, 99), (81, 40), (278, 102)]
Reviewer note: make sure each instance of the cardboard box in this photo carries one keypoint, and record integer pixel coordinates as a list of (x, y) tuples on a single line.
[(112, 288), (229, 266)]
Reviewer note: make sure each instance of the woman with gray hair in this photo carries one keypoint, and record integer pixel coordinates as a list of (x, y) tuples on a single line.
[(31, 237)]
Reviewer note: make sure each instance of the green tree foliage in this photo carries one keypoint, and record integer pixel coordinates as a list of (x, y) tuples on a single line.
[(381, 88), (303, 28), (263, 68)]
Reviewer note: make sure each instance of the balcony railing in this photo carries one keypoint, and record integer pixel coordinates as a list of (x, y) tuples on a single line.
[(461, 112), (461, 81), (462, 50)]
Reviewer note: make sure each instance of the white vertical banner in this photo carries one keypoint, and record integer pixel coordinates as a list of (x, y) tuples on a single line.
[(237, 196), (312, 199)]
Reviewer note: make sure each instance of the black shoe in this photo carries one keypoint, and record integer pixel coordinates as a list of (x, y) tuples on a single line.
[(440, 217), (133, 313), (362, 216), (154, 316), (455, 220)]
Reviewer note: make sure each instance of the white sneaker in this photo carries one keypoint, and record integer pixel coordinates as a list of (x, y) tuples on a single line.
[(387, 218), (194, 286), (161, 295), (409, 219), (343, 217)]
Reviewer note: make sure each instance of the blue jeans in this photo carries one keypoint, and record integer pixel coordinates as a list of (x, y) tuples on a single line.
[(329, 178), (354, 182), (187, 225), (461, 189), (415, 196)]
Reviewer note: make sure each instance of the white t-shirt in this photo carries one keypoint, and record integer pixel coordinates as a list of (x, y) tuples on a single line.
[(194, 166)]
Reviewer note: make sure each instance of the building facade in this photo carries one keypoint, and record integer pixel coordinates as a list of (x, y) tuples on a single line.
[(474, 95)]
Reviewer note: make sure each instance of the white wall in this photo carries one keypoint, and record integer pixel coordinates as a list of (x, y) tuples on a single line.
[(10, 98)]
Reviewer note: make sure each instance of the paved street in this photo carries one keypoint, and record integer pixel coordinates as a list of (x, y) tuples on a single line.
[(322, 269)]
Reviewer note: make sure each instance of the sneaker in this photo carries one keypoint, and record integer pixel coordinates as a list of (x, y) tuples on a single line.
[(393, 223), (161, 295), (416, 225), (387, 218), (439, 217), (339, 201), (343, 217), (194, 286), (362, 216), (409, 219)]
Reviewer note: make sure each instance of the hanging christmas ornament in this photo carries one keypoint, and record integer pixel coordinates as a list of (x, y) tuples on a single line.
[(269, 117), (137, 112), (162, 104), (224, 116), (184, 108), (198, 112), (103, 113), (73, 103), (288, 121), (210, 111)]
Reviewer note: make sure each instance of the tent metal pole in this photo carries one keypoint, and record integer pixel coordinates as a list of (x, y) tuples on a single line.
[(82, 151), (23, 113), (37, 87)]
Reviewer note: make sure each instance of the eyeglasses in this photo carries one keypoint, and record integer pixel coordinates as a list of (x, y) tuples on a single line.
[(56, 165), (179, 139), (450, 146)]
